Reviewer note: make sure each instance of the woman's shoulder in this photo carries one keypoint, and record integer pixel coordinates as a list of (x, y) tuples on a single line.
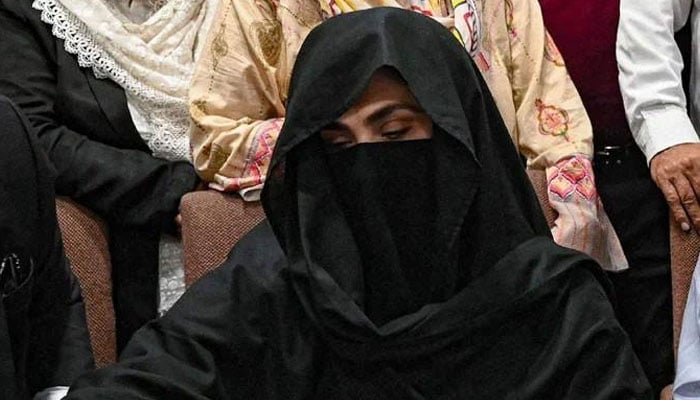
[(256, 259), (258, 249), (250, 273)]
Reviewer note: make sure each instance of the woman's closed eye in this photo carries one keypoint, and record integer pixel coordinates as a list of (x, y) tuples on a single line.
[(396, 134), (340, 144), (336, 140)]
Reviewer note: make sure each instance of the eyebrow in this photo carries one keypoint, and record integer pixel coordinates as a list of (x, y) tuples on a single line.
[(377, 115), (389, 109)]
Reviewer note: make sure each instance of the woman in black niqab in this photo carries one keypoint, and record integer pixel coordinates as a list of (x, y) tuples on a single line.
[(410, 269)]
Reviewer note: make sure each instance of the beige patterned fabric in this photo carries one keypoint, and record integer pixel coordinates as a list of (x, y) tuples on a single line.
[(87, 249), (239, 89), (521, 65), (240, 84)]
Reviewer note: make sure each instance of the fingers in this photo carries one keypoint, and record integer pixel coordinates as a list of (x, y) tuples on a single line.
[(694, 179), (681, 200), (676, 172)]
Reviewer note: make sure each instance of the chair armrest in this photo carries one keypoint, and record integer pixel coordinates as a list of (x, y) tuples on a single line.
[(86, 244), (685, 247), (212, 223), (538, 179)]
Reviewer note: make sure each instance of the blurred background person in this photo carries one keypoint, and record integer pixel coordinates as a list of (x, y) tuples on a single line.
[(104, 84), (240, 85), (44, 342)]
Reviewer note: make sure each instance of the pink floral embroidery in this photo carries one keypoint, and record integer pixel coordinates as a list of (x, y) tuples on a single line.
[(551, 52), (561, 186), (468, 30), (468, 23), (553, 121), (269, 5), (573, 170), (261, 150), (421, 10), (508, 5), (334, 8), (572, 175), (257, 160), (586, 188), (482, 61)]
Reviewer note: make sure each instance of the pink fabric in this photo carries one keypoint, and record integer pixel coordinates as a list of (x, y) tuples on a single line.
[(582, 223)]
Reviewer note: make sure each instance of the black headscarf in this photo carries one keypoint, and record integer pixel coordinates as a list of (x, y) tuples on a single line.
[(484, 205)]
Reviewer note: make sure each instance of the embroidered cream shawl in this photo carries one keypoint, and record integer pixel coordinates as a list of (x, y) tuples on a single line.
[(152, 58)]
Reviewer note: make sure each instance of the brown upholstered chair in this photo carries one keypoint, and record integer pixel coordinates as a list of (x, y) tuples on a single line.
[(539, 183), (87, 249), (685, 247), (212, 222)]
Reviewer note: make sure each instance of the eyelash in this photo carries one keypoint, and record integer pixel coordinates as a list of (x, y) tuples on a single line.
[(344, 143), (396, 133), (390, 135)]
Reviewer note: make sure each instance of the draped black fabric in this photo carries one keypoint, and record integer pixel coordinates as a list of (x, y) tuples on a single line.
[(293, 313), (44, 340), (100, 160), (386, 193), (484, 204)]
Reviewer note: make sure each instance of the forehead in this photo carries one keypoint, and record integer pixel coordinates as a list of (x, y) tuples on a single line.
[(385, 86)]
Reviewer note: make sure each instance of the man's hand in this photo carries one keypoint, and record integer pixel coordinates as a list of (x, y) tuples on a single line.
[(676, 172)]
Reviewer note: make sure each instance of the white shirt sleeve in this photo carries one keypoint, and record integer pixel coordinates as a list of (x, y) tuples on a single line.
[(650, 65), (52, 393), (687, 383)]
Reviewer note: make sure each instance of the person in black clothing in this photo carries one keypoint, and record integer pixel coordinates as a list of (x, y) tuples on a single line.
[(405, 255), (44, 342), (85, 126)]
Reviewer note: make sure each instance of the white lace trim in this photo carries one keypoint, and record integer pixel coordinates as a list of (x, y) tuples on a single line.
[(169, 115)]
